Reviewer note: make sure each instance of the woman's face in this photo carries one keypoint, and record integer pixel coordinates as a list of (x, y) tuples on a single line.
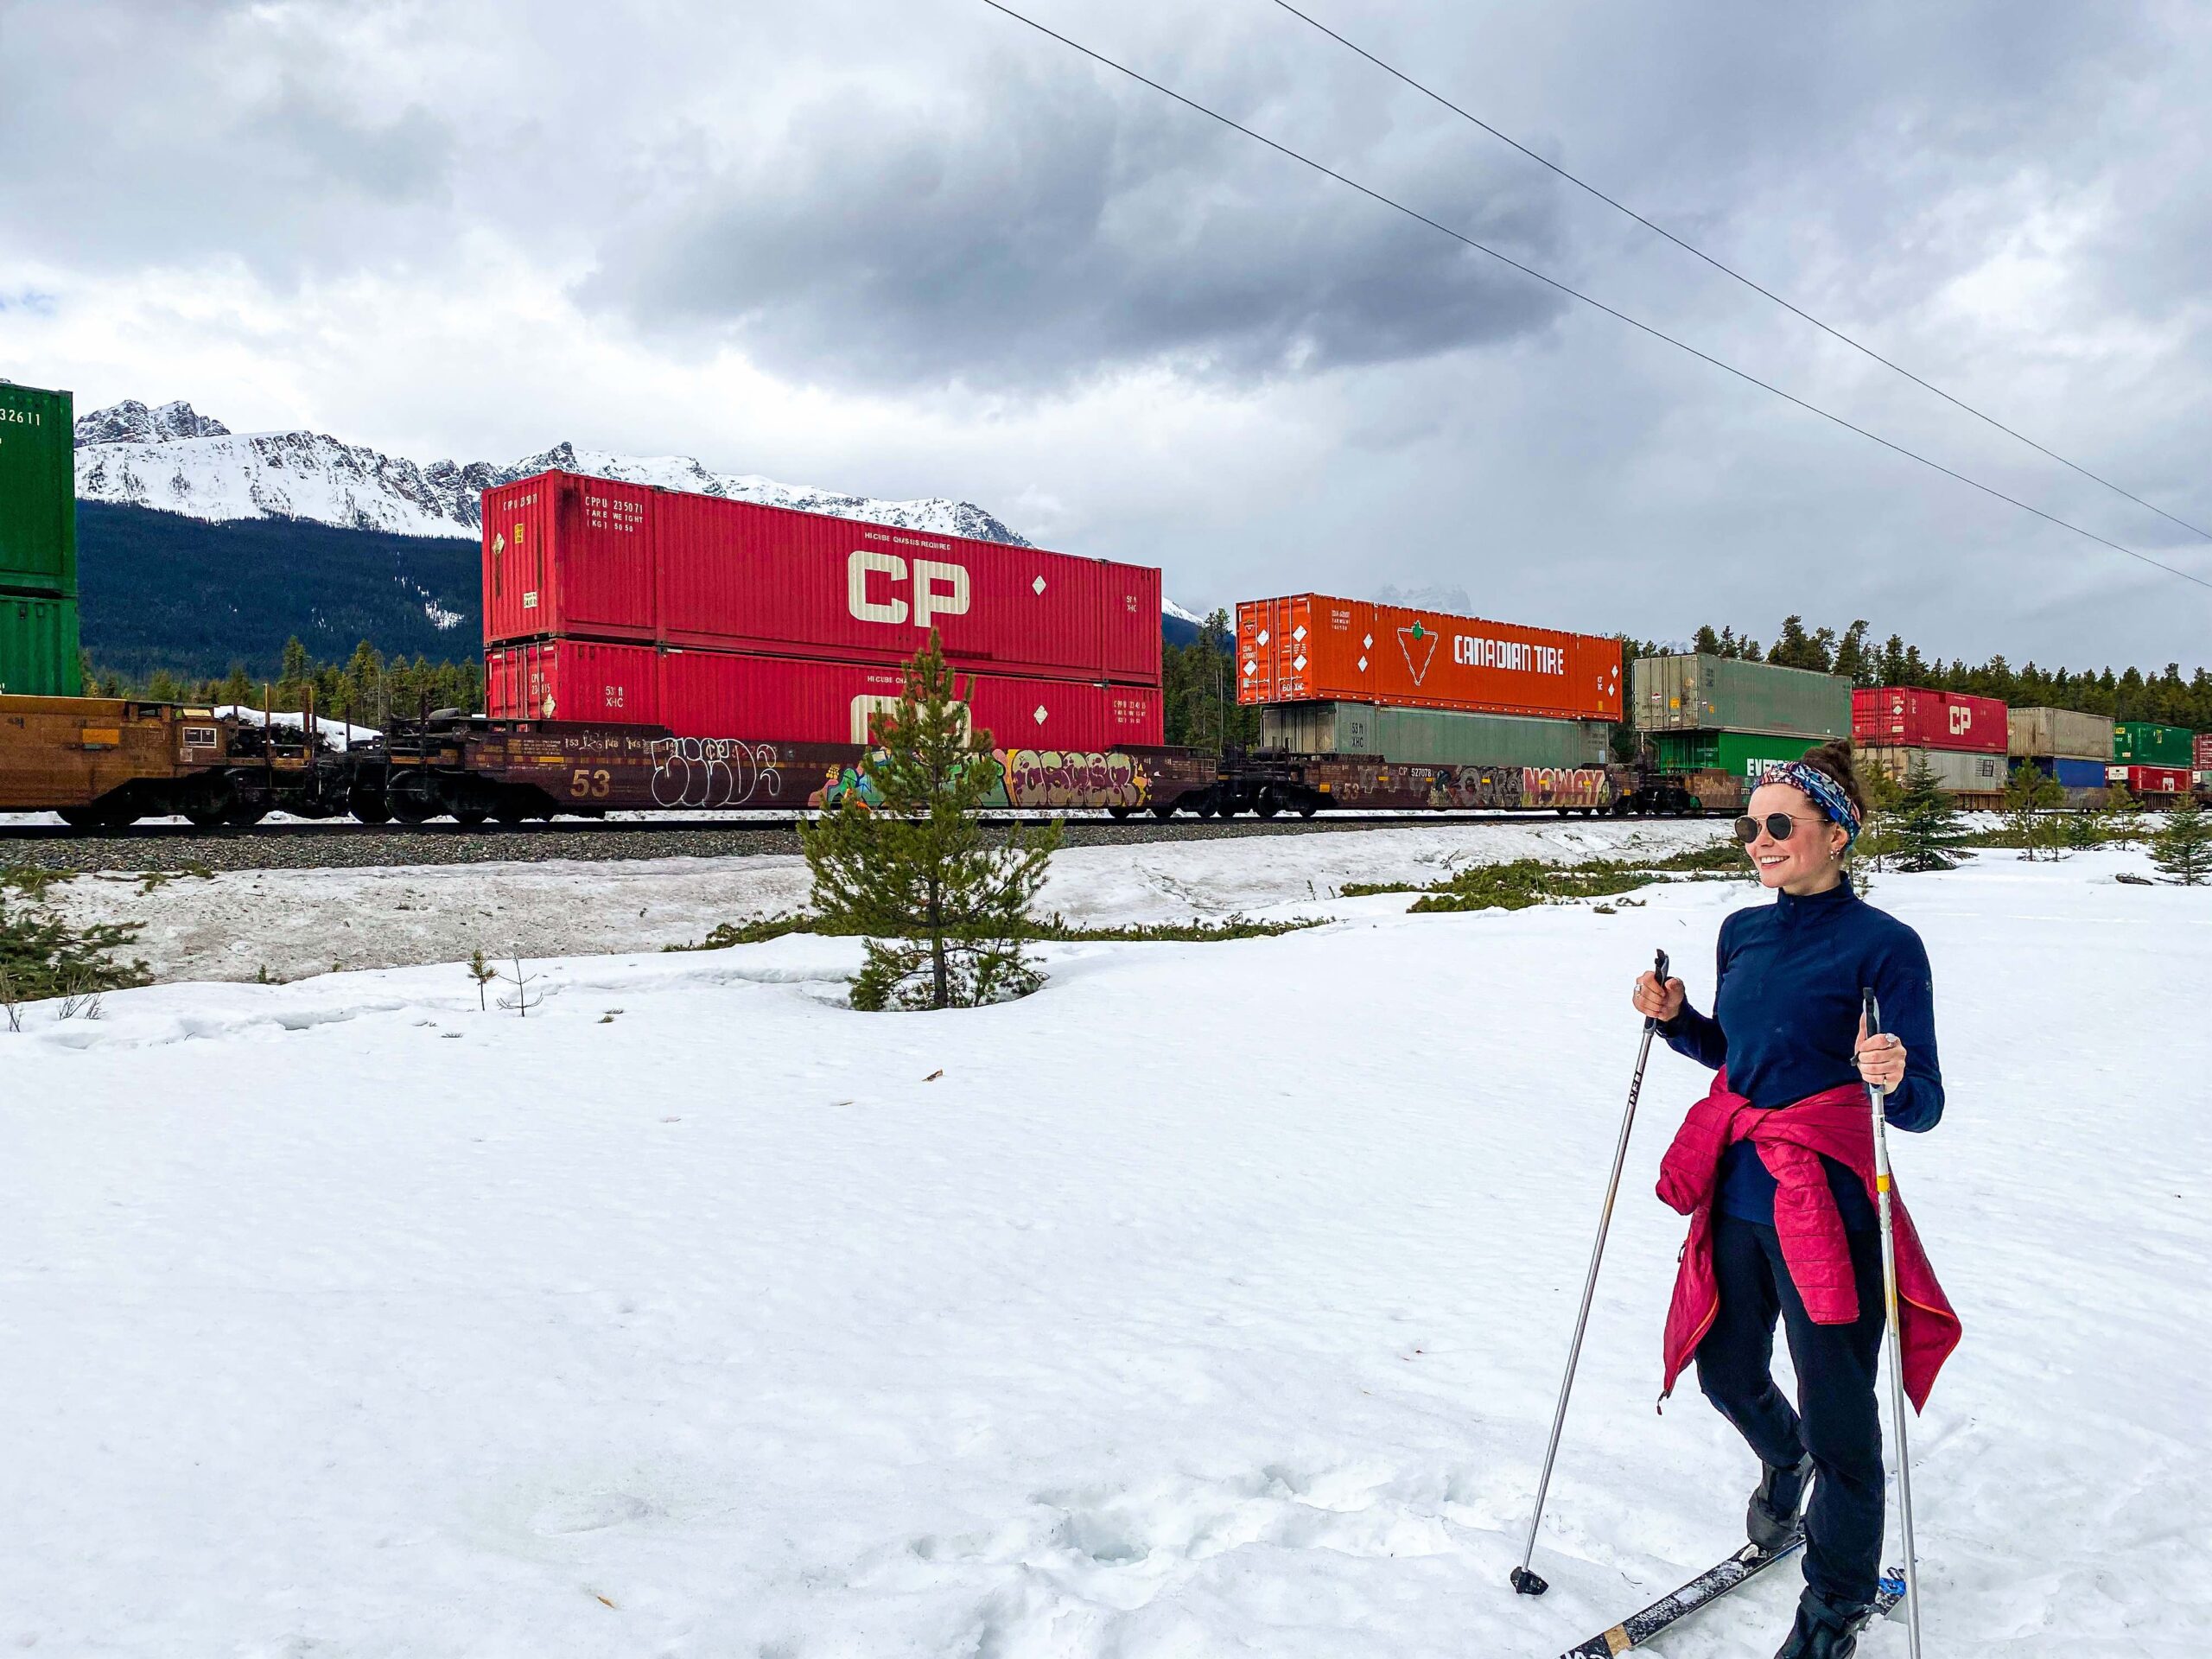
[(1806, 859)]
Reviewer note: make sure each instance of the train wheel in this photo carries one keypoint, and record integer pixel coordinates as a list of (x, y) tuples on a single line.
[(367, 804), (468, 817), (1266, 806), (1117, 813), (1306, 810), (409, 796), (1163, 811)]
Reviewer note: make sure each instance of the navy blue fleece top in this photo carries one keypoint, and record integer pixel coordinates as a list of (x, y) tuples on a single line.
[(1785, 1022)]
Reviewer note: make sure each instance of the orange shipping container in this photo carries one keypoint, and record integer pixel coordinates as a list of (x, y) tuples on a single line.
[(1308, 647)]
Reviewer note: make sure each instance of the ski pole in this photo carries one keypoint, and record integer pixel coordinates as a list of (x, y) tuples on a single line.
[(1880, 1097), (1524, 1581)]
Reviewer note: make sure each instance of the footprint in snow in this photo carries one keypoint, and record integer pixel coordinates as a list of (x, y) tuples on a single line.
[(574, 1512)]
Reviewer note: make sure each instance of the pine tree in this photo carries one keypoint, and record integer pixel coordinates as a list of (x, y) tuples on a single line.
[(2029, 794), (2183, 850), (1923, 828), (296, 667), (2123, 815), (905, 861)]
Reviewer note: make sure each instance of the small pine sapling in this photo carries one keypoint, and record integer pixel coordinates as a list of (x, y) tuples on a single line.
[(905, 861), (483, 973), (2182, 850), (2029, 794), (1924, 830), (2123, 815)]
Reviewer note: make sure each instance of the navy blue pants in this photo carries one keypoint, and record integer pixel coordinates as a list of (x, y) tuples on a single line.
[(1836, 1418)]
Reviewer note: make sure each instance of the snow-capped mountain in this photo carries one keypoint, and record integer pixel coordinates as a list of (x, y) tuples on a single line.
[(131, 421), (180, 462)]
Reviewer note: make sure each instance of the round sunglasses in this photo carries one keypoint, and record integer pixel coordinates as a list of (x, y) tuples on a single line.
[(1780, 825)]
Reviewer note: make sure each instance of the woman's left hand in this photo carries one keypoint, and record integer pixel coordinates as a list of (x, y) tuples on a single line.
[(1881, 1060)]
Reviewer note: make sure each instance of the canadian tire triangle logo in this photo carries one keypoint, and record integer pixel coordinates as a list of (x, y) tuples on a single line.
[(1419, 646)]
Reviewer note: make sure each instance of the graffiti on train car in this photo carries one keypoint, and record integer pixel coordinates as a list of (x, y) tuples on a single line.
[(1563, 786), (1071, 778), (709, 771), (1026, 778)]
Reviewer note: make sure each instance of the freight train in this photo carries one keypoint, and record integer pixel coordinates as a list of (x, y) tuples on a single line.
[(650, 649)]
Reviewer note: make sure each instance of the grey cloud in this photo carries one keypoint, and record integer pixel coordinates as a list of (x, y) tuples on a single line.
[(1061, 233)]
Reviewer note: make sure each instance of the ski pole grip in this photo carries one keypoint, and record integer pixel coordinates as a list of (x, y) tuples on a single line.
[(1873, 1012), (1659, 968)]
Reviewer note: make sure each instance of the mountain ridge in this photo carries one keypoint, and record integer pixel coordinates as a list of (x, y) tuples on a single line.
[(174, 459)]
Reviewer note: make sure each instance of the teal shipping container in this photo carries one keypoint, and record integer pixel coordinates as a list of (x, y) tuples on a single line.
[(1721, 694), (38, 491), (39, 647), (1438, 737)]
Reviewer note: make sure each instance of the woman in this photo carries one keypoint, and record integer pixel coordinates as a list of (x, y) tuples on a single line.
[(1775, 1169)]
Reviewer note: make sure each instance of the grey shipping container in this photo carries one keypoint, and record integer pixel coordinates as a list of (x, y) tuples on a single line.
[(2053, 733), (1961, 771), (1432, 736), (38, 491), (1721, 694)]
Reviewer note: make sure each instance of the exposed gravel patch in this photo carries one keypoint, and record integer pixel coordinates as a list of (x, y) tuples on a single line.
[(350, 845), (286, 922)]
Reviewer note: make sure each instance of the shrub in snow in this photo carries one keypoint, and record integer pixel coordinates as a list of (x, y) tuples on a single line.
[(904, 859), (1922, 830), (2028, 796), (2183, 850)]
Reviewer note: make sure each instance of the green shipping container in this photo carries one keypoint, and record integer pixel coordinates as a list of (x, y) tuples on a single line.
[(2146, 743), (1740, 755), (38, 491), (1432, 737), (38, 646), (1721, 694)]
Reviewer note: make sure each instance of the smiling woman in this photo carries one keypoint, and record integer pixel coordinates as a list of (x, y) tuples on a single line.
[(1776, 1168)]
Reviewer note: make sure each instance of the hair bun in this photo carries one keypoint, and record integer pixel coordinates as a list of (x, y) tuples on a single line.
[(1839, 760)]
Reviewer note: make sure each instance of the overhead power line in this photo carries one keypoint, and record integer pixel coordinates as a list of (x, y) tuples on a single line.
[(1395, 206), (1727, 270)]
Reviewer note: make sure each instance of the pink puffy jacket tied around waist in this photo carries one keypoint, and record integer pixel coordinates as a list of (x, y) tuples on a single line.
[(1792, 1140)]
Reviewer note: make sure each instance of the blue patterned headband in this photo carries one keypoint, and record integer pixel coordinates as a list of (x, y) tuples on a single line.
[(1826, 792)]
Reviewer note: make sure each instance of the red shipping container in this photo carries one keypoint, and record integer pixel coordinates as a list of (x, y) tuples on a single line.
[(2203, 752), (566, 556), (795, 700), (2150, 780), (1308, 647), (1894, 716), (560, 559), (574, 679)]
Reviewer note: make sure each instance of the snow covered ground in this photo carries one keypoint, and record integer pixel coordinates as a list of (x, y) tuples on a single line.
[(1209, 1302), (292, 922)]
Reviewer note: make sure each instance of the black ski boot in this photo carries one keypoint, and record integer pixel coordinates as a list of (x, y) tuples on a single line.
[(1772, 1520), (1824, 1630)]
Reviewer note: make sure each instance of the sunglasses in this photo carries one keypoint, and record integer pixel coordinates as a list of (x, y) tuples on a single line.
[(1780, 825)]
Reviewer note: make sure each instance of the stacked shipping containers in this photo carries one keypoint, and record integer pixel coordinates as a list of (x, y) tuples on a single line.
[(38, 545), (1965, 741), (723, 619), (2201, 759), (2152, 758), (1424, 688), (2072, 749), (1702, 713)]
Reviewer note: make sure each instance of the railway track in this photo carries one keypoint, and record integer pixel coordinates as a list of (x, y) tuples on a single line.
[(345, 844)]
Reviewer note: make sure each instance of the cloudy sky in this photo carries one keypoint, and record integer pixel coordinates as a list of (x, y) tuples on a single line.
[(913, 248)]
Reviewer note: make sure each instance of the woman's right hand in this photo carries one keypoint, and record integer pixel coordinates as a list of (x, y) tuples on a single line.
[(1657, 1001)]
